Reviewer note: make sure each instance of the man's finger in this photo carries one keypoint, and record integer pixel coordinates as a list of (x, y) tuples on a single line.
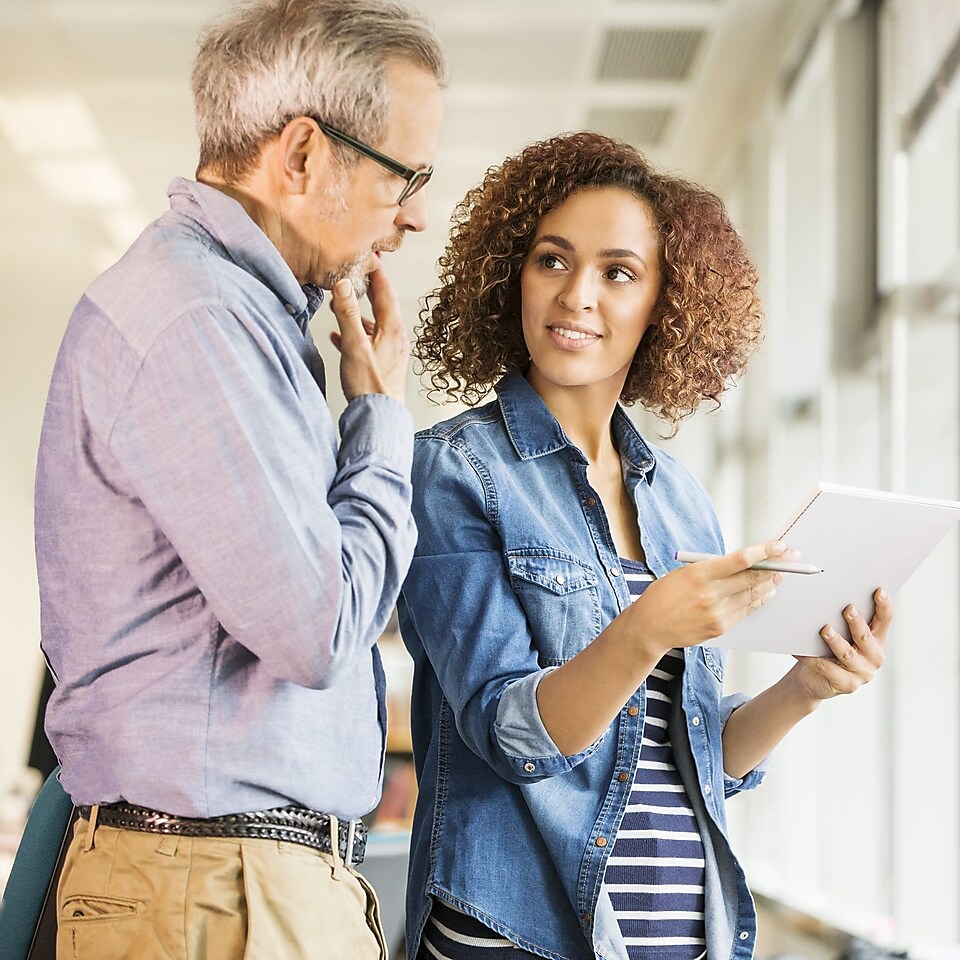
[(386, 306), (346, 310)]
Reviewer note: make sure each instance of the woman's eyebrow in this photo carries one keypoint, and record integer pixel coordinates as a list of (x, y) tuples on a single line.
[(621, 253), (554, 239), (611, 253)]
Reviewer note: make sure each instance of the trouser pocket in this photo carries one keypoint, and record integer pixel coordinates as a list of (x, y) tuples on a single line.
[(91, 909), (373, 913), (96, 928)]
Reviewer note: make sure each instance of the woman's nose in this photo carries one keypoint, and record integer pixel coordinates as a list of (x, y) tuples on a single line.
[(580, 293)]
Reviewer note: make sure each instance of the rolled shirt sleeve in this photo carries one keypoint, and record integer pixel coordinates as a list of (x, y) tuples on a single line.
[(735, 785), (477, 640)]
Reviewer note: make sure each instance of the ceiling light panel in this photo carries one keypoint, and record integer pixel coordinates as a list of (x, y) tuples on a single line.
[(45, 124), (645, 54), (495, 56), (84, 181), (641, 126)]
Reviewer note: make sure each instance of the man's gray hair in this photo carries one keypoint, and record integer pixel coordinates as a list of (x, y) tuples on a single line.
[(268, 61)]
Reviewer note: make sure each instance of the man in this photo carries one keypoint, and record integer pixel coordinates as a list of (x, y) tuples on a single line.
[(214, 568)]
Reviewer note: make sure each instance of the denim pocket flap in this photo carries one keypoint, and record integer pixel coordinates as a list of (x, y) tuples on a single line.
[(557, 573), (715, 658)]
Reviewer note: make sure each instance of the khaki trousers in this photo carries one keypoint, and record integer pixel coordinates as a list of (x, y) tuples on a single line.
[(125, 895)]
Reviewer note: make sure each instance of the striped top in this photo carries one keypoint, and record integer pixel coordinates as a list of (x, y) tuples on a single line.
[(655, 874), (654, 877)]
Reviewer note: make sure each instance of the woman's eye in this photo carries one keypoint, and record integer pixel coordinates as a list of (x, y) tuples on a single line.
[(619, 274), (550, 262)]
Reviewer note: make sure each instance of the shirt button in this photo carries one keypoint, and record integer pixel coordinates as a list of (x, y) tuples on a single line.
[(696, 721), (633, 711), (586, 917), (614, 572), (601, 841), (561, 579), (291, 309), (744, 935), (707, 788), (529, 767), (590, 502), (623, 777)]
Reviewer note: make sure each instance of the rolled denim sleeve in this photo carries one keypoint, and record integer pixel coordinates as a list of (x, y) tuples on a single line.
[(734, 785), (460, 615)]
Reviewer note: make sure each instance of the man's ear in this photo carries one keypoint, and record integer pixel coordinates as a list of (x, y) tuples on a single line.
[(303, 153)]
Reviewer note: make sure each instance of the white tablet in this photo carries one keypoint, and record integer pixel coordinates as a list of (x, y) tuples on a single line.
[(863, 539)]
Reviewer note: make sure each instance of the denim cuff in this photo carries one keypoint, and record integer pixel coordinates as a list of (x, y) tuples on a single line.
[(528, 747), (733, 785)]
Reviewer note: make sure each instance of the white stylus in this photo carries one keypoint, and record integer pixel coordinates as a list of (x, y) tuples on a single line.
[(780, 566)]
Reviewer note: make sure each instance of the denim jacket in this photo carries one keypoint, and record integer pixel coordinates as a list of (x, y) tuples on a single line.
[(515, 572)]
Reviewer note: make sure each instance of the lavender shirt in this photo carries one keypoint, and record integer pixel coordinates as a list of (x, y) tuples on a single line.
[(214, 571)]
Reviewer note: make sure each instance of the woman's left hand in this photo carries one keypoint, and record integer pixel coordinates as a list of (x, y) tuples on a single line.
[(855, 658)]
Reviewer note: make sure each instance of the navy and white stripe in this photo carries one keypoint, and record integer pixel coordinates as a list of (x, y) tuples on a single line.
[(655, 873), (452, 935)]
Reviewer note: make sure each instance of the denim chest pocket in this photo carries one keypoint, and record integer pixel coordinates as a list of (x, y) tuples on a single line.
[(560, 596), (715, 659)]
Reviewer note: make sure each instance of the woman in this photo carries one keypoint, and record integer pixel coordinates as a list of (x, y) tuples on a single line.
[(572, 744)]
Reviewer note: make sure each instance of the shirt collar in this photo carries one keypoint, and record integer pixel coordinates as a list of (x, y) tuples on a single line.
[(535, 432), (229, 225)]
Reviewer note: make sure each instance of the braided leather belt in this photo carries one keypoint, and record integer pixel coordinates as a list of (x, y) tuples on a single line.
[(293, 824)]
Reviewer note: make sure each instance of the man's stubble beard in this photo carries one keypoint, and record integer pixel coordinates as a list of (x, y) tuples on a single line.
[(355, 270)]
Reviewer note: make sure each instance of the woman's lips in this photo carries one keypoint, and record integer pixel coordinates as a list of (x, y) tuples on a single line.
[(567, 338)]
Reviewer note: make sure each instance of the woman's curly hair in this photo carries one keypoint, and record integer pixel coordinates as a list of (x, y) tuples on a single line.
[(706, 322)]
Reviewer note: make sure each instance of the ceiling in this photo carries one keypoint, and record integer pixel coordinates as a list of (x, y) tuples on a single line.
[(96, 118)]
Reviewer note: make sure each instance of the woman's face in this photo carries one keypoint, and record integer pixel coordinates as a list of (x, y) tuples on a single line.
[(588, 287)]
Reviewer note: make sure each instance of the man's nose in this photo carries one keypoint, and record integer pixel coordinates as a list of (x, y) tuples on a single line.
[(414, 214)]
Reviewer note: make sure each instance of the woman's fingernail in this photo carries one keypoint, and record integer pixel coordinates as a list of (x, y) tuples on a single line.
[(828, 633), (852, 613), (777, 548), (883, 595)]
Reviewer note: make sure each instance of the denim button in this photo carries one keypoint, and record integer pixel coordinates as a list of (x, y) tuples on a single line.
[(633, 711), (707, 788), (590, 502), (601, 841), (614, 572), (696, 721), (529, 767), (561, 579), (744, 935), (623, 777)]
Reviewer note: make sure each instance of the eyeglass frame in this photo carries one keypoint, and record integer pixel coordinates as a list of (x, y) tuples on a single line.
[(416, 179)]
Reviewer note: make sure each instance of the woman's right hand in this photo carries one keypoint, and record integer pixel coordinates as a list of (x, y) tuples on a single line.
[(703, 600), (689, 605)]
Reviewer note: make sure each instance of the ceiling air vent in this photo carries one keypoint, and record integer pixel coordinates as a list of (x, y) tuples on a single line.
[(641, 126), (640, 54)]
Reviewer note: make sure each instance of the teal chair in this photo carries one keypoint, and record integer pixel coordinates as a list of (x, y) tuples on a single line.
[(28, 914)]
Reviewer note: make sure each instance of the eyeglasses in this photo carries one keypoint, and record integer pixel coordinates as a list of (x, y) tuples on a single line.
[(416, 179)]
